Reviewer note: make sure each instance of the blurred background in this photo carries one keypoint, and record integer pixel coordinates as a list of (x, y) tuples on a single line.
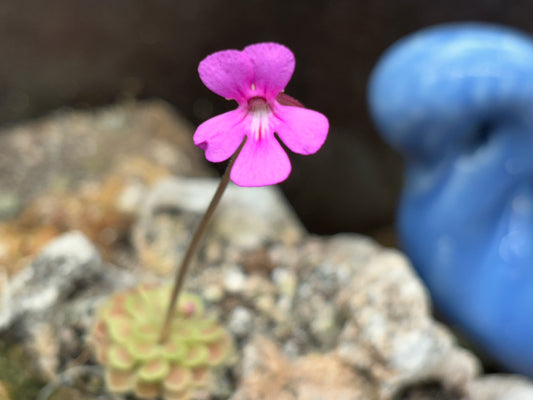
[(81, 54)]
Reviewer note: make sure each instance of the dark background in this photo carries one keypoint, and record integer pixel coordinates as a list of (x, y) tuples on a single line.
[(85, 53)]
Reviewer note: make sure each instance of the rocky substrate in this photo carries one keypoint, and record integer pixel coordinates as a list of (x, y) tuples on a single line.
[(313, 318)]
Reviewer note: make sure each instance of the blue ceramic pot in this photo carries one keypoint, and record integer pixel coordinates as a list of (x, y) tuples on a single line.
[(457, 101)]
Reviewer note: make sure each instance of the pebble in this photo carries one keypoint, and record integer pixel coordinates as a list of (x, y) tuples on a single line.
[(234, 279), (240, 321), (213, 251), (265, 304), (285, 281), (213, 293), (130, 198), (9, 205), (324, 327)]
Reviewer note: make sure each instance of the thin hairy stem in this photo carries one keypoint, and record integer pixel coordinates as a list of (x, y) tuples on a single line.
[(195, 241)]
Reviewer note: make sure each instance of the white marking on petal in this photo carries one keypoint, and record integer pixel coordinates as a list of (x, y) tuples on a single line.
[(260, 112)]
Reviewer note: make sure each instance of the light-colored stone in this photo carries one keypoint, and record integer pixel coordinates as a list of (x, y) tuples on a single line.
[(347, 296), (234, 279), (240, 321), (213, 293), (390, 333), (64, 264), (9, 205), (500, 387), (268, 374), (244, 219), (286, 281), (59, 151), (44, 343)]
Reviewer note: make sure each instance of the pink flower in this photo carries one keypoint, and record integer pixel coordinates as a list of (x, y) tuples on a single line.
[(255, 78)]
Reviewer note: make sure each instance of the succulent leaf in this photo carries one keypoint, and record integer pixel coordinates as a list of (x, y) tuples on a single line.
[(153, 371), (183, 332), (143, 351), (119, 328), (147, 390), (181, 395), (136, 307), (119, 358), (177, 379), (175, 350), (218, 351), (146, 331), (102, 351), (119, 381), (196, 356), (209, 332), (199, 376)]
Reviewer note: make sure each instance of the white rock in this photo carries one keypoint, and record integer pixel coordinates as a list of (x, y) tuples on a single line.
[(390, 331), (240, 321), (234, 279), (246, 217), (62, 265), (285, 280), (500, 387)]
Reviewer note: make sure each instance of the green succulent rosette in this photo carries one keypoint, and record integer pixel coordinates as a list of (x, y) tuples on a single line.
[(125, 337)]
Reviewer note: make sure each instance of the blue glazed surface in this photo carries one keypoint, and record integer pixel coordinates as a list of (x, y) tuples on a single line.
[(457, 101)]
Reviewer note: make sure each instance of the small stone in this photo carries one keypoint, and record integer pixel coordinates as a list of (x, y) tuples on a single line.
[(390, 331), (247, 218), (257, 261), (130, 198), (234, 280), (284, 304), (45, 345), (458, 368), (62, 265), (9, 205), (257, 285), (500, 387), (265, 304), (213, 293), (291, 348), (250, 217), (268, 374), (285, 281), (324, 327), (291, 235), (51, 302), (213, 251), (240, 321)]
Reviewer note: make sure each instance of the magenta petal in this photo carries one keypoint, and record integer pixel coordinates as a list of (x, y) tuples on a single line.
[(220, 136), (273, 66), (228, 73), (261, 163), (302, 130)]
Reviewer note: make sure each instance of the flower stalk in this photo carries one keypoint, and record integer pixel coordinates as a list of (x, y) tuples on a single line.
[(191, 250)]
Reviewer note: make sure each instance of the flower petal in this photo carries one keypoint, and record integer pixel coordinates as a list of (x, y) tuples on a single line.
[(302, 130), (228, 73), (261, 163), (220, 136), (273, 67)]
